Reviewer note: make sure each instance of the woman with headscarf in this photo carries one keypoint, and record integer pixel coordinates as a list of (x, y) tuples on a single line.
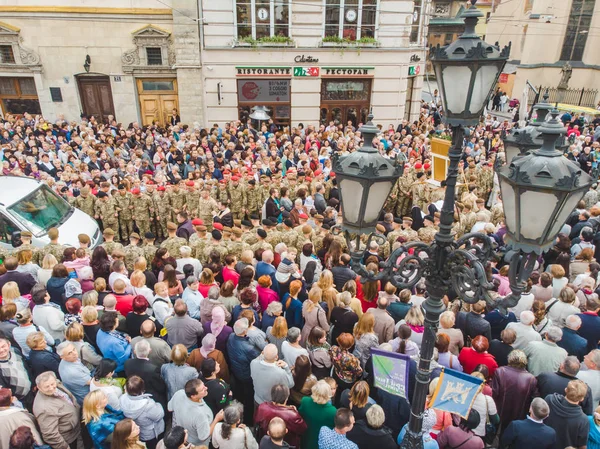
[(219, 328), (429, 420), (462, 435), (209, 351)]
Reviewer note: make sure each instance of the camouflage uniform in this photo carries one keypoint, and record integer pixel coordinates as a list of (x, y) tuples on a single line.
[(222, 194), (250, 237), (403, 192), (110, 247), (237, 194), (149, 252), (468, 220), (142, 204), (218, 247), (125, 204), (274, 237), (409, 234), (237, 247), (56, 249), (12, 252), (205, 210), (132, 252), (191, 202), (176, 200), (199, 246), (86, 204), (253, 196), (497, 213), (162, 212), (106, 209), (261, 244), (485, 183), (427, 234), (290, 238), (420, 194), (173, 244)]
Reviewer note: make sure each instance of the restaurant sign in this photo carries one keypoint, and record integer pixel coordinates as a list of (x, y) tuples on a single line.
[(347, 71), (263, 71), (306, 71)]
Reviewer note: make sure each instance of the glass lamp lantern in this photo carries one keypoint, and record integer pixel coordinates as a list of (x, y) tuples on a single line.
[(466, 71), (365, 180), (540, 190), (259, 113)]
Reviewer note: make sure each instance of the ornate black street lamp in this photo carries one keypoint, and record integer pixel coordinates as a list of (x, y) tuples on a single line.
[(540, 183)]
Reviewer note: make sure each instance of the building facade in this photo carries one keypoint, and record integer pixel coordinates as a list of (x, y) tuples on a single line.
[(545, 36), (213, 61)]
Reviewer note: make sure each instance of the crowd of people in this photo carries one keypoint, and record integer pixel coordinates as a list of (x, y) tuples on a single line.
[(221, 309)]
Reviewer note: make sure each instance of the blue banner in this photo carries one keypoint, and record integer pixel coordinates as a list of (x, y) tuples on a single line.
[(390, 371), (455, 392)]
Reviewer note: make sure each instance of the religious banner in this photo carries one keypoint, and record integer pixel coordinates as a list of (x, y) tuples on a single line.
[(455, 392), (390, 371)]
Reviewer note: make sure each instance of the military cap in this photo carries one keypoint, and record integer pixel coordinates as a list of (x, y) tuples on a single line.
[(27, 234), (102, 194), (108, 231), (149, 236), (218, 226), (197, 222), (171, 226), (246, 223), (83, 238), (202, 228), (261, 233), (216, 234), (237, 232), (134, 235)]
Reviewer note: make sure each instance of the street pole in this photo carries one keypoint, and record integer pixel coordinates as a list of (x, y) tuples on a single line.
[(437, 282)]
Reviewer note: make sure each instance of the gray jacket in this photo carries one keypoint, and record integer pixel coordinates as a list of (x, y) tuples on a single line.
[(146, 412)]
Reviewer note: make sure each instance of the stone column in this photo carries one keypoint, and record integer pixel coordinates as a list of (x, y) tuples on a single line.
[(186, 43)]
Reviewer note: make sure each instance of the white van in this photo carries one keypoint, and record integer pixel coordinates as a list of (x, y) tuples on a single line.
[(27, 204)]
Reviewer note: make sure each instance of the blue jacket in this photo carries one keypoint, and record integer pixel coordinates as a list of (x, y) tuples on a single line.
[(590, 329), (241, 353), (42, 361), (525, 434), (293, 315), (263, 268), (573, 343), (113, 348), (99, 430)]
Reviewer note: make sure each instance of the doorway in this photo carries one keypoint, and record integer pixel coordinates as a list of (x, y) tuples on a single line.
[(158, 98), (344, 101), (96, 97), (409, 98)]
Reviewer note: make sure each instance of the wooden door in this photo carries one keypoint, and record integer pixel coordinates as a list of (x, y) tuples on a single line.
[(150, 108), (167, 104), (96, 97)]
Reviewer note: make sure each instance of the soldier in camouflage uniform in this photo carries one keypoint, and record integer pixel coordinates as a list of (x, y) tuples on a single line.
[(176, 199), (54, 248), (261, 235), (253, 197), (407, 232), (106, 210), (486, 181), (497, 212), (84, 243), (149, 247), (26, 237), (237, 195), (124, 202), (173, 243), (403, 193), (273, 235), (420, 192), (206, 206), (215, 245), (248, 233), (142, 207), (468, 218), (162, 212), (109, 244), (236, 246), (199, 243), (265, 186), (288, 235), (133, 251), (427, 234), (86, 202), (192, 197), (222, 193)]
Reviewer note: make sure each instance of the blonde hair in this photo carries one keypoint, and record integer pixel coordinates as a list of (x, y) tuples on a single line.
[(91, 405), (365, 325), (138, 279), (557, 271), (34, 339), (10, 292), (325, 280), (280, 328), (90, 298), (447, 319), (415, 317), (321, 392), (49, 261), (314, 295), (179, 355), (75, 332), (140, 264), (567, 295), (89, 314)]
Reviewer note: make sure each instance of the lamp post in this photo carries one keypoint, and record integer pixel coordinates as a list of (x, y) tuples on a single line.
[(467, 71), (259, 114)]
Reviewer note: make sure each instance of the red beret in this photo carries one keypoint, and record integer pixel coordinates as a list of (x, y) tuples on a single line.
[(418, 166), (222, 181), (148, 172), (308, 179), (303, 216), (318, 172), (235, 178), (189, 183), (150, 183), (250, 173), (218, 226), (161, 188), (136, 191), (226, 172), (197, 222), (332, 175), (426, 166)]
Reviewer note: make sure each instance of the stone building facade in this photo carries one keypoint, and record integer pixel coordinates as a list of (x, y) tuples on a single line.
[(214, 61)]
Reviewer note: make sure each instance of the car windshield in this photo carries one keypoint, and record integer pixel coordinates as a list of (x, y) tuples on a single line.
[(40, 210)]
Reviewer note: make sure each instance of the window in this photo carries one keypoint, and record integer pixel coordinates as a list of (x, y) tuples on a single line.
[(350, 19), (6, 54), (40, 210), (168, 85), (258, 19), (154, 55), (415, 29), (578, 28), (7, 227), (18, 95), (448, 38)]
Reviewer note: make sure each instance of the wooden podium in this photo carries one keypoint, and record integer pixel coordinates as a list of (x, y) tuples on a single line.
[(440, 160)]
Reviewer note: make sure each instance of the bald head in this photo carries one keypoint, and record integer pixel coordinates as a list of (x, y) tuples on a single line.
[(270, 353), (147, 329), (382, 302), (277, 429)]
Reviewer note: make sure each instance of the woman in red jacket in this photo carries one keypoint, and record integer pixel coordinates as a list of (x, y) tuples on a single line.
[(469, 358)]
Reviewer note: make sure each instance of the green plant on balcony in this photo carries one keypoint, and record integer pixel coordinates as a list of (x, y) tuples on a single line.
[(281, 40), (346, 41)]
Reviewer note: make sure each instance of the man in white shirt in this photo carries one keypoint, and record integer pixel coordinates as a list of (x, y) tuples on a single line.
[(524, 330), (187, 259)]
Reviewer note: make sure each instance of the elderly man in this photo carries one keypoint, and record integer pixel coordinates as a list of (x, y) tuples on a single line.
[(571, 341), (187, 259), (241, 354), (183, 329), (57, 412), (160, 351), (193, 414), (591, 375), (149, 372), (266, 268), (545, 355), (267, 371), (13, 372), (530, 432), (524, 330), (192, 297), (384, 323), (556, 382), (75, 376)]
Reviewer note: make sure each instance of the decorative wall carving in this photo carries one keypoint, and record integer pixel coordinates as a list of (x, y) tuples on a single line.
[(441, 9), (25, 58), (135, 59)]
